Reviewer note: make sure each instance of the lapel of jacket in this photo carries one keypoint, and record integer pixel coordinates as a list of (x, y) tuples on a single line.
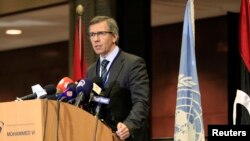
[(93, 70), (116, 68)]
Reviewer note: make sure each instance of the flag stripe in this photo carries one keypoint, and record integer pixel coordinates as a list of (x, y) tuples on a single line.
[(244, 37), (244, 50)]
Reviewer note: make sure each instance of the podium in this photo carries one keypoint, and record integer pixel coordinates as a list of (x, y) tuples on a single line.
[(47, 120)]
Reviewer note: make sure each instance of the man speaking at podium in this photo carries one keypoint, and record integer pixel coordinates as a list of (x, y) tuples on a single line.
[(125, 82)]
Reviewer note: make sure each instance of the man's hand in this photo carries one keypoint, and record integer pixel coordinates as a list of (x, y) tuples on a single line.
[(122, 131)]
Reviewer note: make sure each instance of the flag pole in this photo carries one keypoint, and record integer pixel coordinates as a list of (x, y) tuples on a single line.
[(79, 65), (79, 11)]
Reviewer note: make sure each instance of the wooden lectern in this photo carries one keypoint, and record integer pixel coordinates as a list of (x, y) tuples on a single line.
[(47, 120)]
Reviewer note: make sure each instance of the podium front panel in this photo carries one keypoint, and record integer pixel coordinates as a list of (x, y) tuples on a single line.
[(47, 120), (21, 121)]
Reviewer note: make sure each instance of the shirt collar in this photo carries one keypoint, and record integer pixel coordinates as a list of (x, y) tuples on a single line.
[(111, 56)]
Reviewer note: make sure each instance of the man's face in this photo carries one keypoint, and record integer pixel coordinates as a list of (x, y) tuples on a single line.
[(102, 40)]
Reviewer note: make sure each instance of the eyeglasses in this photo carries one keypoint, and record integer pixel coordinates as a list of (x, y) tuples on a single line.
[(99, 34)]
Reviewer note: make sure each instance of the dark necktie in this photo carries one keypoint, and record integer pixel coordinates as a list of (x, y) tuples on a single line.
[(104, 71)]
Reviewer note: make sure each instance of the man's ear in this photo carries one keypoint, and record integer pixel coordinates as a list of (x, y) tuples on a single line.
[(115, 38)]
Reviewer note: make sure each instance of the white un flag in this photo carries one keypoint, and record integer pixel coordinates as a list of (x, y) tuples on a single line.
[(188, 114)]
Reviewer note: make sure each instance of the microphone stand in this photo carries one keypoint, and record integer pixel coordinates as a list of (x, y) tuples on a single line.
[(97, 117)]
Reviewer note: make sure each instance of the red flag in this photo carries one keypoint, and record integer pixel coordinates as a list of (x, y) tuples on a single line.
[(244, 33), (79, 69), (244, 49)]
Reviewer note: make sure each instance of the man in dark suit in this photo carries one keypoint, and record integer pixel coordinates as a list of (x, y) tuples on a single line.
[(125, 80)]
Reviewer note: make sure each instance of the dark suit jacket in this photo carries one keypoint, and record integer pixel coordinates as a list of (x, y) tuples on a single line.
[(128, 89)]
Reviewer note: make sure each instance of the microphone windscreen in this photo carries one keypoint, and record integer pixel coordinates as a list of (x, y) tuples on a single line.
[(71, 86), (85, 86), (63, 83), (50, 89), (71, 91)]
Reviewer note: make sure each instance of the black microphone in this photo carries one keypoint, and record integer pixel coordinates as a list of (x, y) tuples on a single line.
[(97, 87), (83, 90), (39, 92), (50, 89), (96, 90), (99, 100), (96, 96)]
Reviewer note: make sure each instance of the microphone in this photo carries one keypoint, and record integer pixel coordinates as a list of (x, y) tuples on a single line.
[(97, 82), (100, 99), (69, 93), (38, 92), (96, 96), (50, 89), (57, 96), (83, 90), (63, 83), (96, 90)]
